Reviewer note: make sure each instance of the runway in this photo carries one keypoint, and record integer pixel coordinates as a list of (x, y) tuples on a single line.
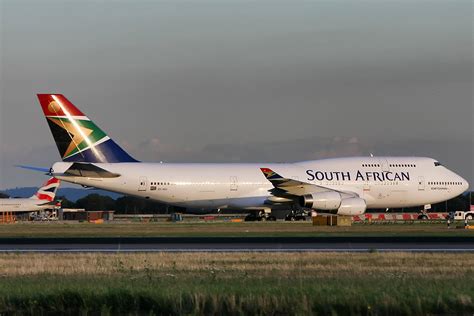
[(238, 244)]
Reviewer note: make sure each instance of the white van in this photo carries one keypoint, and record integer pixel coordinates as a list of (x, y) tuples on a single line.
[(460, 215)]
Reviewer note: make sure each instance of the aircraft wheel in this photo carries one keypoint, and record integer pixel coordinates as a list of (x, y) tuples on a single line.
[(249, 218)]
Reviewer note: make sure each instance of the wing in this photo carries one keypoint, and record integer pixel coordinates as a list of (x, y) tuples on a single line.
[(290, 188)]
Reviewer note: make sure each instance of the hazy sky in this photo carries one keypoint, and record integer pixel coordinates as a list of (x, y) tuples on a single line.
[(241, 80)]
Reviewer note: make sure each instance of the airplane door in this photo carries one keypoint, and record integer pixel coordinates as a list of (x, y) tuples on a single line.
[(367, 187), (421, 184), (143, 183), (384, 165), (234, 186)]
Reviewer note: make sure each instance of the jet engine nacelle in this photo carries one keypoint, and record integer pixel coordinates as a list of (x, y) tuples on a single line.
[(334, 201), (352, 206), (322, 201)]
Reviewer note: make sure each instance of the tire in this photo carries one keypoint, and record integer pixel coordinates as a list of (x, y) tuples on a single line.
[(423, 217), (271, 218), (249, 218), (469, 217)]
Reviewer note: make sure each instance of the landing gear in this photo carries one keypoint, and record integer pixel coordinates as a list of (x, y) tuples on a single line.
[(423, 215), (260, 216), (293, 218), (296, 214)]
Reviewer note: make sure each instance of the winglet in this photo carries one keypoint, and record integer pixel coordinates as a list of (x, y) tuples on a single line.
[(270, 174)]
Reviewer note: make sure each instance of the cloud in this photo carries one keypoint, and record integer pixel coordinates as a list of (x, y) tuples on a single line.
[(279, 151), (11, 176), (456, 155)]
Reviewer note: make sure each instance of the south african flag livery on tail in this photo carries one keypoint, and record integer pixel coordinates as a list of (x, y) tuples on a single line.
[(78, 139)]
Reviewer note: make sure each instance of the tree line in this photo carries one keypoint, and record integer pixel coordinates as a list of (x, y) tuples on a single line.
[(122, 205), (135, 205)]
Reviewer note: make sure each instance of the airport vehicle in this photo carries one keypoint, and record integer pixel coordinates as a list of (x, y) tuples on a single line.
[(42, 200), (344, 186), (460, 215)]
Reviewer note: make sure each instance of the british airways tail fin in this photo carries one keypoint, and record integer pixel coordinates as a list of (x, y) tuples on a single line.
[(78, 139), (48, 191)]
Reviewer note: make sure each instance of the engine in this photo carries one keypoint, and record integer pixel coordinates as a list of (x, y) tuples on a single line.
[(326, 201), (352, 206), (334, 201)]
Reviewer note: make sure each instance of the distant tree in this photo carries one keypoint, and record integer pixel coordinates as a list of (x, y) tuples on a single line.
[(463, 201), (134, 205), (96, 202), (4, 196), (65, 203)]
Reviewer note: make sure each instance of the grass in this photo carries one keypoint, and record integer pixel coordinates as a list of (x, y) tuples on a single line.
[(237, 283), (220, 229)]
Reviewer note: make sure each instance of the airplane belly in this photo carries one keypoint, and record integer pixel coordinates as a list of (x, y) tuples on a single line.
[(223, 198)]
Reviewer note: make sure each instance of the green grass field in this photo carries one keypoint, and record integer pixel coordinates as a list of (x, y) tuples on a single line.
[(237, 283), (201, 229)]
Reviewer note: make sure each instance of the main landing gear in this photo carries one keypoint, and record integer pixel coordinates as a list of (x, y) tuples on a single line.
[(260, 216), (296, 214)]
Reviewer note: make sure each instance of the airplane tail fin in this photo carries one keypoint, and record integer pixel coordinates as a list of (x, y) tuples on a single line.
[(78, 139), (48, 191)]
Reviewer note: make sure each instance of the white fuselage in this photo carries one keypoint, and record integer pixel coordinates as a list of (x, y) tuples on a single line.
[(383, 182), (23, 205)]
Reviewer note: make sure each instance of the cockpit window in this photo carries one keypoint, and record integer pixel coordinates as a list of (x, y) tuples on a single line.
[(437, 164)]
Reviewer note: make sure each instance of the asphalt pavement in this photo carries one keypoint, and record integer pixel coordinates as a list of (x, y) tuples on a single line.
[(238, 244)]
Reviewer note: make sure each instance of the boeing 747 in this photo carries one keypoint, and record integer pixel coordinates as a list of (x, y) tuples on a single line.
[(343, 186)]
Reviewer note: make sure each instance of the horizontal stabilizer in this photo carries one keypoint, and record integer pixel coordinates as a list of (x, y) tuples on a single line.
[(33, 168), (78, 169)]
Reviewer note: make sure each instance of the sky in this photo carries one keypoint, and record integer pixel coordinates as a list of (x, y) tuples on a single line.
[(241, 81)]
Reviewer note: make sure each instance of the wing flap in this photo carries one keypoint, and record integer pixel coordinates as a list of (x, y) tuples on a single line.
[(290, 188)]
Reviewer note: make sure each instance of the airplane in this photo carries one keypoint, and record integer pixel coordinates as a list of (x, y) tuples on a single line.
[(342, 186), (42, 200)]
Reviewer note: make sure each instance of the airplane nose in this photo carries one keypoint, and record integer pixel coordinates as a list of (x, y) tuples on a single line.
[(465, 185)]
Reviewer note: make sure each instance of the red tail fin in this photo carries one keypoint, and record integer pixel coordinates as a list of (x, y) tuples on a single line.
[(48, 191)]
